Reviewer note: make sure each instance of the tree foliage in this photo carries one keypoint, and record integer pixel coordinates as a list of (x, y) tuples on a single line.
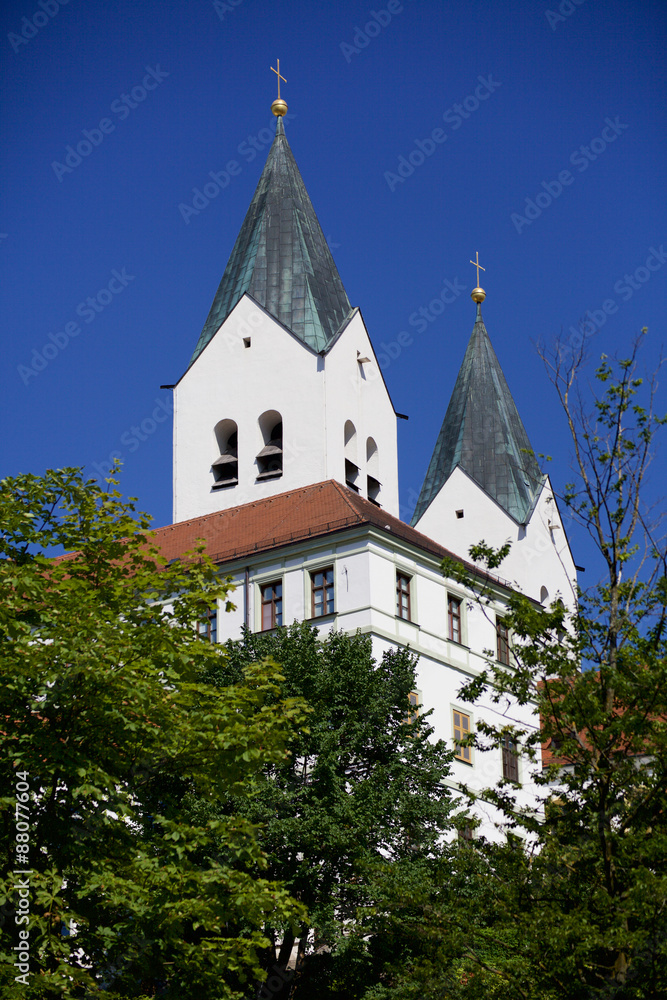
[(106, 715), (188, 832), (588, 892), (360, 798)]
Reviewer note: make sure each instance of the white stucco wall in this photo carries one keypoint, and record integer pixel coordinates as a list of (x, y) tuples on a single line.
[(365, 564), (357, 392), (539, 556), (314, 394)]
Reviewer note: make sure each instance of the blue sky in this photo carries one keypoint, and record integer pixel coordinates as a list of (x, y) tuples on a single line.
[(484, 107)]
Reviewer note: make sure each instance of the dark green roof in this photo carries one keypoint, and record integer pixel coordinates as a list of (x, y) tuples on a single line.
[(483, 433), (282, 259)]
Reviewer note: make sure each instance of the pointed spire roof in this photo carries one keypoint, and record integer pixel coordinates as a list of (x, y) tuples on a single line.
[(483, 433), (281, 258)]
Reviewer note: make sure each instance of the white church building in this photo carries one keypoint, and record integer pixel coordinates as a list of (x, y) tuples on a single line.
[(285, 462)]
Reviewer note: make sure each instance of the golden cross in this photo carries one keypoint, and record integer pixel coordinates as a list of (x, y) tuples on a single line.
[(477, 264), (277, 72)]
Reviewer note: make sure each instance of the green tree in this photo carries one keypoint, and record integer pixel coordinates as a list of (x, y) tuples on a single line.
[(360, 798), (108, 723), (584, 913)]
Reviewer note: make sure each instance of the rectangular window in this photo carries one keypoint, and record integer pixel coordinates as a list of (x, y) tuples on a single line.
[(208, 626), (272, 604), (403, 596), (510, 758), (413, 711), (454, 618), (461, 731), (322, 589), (503, 642)]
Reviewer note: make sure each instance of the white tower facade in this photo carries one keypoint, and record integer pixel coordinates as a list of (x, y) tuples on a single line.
[(484, 484), (284, 388), (285, 463)]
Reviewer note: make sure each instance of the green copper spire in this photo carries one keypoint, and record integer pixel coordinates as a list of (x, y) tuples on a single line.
[(282, 259), (483, 433)]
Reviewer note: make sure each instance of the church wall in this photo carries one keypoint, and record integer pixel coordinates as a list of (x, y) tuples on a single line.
[(545, 553), (539, 556), (438, 685), (254, 375), (365, 565), (351, 586), (230, 622), (231, 381), (357, 392), (315, 395)]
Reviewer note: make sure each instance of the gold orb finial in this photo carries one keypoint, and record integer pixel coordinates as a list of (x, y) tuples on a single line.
[(279, 107), (478, 294)]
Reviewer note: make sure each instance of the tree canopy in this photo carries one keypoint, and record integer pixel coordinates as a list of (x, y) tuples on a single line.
[(361, 797), (588, 884), (109, 725), (195, 815)]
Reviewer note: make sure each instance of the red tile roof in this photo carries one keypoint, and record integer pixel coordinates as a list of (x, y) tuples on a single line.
[(310, 512), (550, 747), (550, 755)]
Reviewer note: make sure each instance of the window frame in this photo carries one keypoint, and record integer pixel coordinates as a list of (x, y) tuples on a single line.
[(271, 603), (314, 588), (269, 459), (466, 835), (207, 626), (225, 467), (502, 641), (462, 753), (400, 593), (453, 599), (352, 473), (510, 754), (414, 706)]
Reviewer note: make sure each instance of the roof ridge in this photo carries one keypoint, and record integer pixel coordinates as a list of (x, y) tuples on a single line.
[(241, 506), (348, 496), (228, 539)]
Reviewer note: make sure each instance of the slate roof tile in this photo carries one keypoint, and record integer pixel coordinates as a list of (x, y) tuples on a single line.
[(483, 433), (279, 240)]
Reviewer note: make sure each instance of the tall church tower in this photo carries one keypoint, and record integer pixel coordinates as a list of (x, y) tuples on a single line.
[(483, 481), (285, 465), (283, 389)]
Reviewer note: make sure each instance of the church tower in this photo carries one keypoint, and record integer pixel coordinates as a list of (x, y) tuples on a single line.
[(285, 466), (483, 481), (283, 389)]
